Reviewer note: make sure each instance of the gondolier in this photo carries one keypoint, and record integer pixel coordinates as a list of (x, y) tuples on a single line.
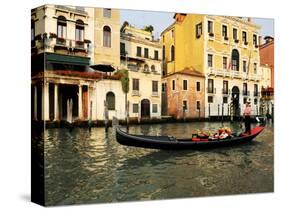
[(247, 117)]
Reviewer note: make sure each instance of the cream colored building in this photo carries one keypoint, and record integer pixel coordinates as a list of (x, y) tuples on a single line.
[(64, 42), (141, 55), (107, 37)]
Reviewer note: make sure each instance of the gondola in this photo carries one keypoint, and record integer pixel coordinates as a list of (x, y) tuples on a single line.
[(172, 143)]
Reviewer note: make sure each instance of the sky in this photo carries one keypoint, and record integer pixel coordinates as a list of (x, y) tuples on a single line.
[(161, 20)]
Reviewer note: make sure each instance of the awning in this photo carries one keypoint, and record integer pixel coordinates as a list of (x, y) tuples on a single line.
[(102, 67)]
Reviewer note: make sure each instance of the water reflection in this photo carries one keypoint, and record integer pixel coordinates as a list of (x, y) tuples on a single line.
[(85, 166)]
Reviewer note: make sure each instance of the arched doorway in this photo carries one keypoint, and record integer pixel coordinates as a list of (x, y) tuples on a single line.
[(235, 101), (145, 108)]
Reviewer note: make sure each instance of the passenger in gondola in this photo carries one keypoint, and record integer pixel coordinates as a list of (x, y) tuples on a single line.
[(247, 117)]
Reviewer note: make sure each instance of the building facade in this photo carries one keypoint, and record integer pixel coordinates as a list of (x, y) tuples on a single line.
[(141, 55), (267, 66), (62, 49), (225, 50)]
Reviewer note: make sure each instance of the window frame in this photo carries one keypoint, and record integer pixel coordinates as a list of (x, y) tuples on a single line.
[(107, 36), (136, 84)]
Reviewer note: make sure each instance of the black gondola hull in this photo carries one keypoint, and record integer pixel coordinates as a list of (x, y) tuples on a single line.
[(168, 143)]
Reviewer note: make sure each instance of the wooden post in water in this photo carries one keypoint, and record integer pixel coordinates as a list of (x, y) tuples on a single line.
[(218, 111), (209, 111), (106, 116), (222, 111)]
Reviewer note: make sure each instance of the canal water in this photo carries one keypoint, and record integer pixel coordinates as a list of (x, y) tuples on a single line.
[(91, 167)]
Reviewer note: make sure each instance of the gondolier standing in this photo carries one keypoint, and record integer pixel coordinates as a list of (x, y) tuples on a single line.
[(247, 117)]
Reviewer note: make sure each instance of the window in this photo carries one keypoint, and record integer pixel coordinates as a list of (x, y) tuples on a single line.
[(245, 88), (135, 108), (210, 86), (173, 85), (235, 34), (153, 68), (110, 99), (156, 55), (225, 87), (224, 62), (255, 43), (146, 52), (255, 68), (256, 89), (210, 27), (224, 99), (138, 51), (244, 66), (154, 108), (163, 52), (210, 60), (106, 36), (198, 105), (164, 87), (136, 84), (107, 13), (224, 31), (197, 86), (122, 49), (184, 82), (245, 100), (172, 53), (198, 30), (79, 30), (210, 99), (146, 68), (61, 27), (235, 60), (184, 105), (154, 86), (255, 101), (244, 37)]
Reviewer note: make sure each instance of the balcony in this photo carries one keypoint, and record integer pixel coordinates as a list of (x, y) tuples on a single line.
[(62, 46)]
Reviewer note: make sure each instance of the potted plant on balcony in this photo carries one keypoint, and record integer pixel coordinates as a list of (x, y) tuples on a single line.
[(246, 43), (236, 40), (211, 34), (38, 37), (225, 38), (52, 35), (60, 40)]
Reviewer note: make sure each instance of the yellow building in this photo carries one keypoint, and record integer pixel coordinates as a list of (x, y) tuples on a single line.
[(224, 49), (141, 55)]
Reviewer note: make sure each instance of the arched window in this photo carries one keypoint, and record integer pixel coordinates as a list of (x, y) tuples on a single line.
[(146, 68), (235, 60), (106, 36), (153, 68), (110, 99), (79, 30), (61, 27), (172, 53)]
